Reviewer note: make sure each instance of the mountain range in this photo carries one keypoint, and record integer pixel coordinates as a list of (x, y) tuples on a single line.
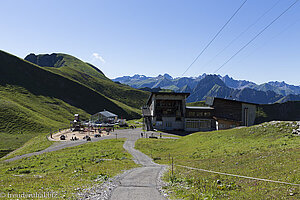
[(44, 91), (218, 86)]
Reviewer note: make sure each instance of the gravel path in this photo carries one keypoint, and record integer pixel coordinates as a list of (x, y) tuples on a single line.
[(139, 183), (123, 133), (58, 146)]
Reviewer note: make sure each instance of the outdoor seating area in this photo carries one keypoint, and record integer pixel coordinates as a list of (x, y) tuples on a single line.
[(86, 133)]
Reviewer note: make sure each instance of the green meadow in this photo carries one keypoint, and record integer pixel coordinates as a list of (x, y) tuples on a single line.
[(268, 151), (28, 117), (35, 101), (66, 172)]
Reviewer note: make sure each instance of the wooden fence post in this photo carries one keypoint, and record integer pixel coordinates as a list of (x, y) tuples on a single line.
[(172, 167)]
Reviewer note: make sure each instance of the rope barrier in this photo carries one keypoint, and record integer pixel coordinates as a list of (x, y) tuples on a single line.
[(240, 176)]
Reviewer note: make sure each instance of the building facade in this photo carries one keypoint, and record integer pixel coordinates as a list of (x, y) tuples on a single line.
[(104, 117), (231, 113), (199, 119), (168, 111)]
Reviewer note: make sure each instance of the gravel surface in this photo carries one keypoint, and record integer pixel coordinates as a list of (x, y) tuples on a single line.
[(58, 146), (139, 183)]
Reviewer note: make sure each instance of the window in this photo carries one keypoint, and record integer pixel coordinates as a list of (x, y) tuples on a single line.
[(198, 124), (205, 124), (169, 124), (192, 114), (199, 114), (206, 114), (192, 124)]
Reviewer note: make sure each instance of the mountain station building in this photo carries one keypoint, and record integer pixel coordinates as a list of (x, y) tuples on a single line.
[(168, 111)]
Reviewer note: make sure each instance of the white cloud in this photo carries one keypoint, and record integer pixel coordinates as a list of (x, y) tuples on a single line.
[(98, 57)]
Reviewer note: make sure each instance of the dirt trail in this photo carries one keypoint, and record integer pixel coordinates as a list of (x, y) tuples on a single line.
[(140, 183)]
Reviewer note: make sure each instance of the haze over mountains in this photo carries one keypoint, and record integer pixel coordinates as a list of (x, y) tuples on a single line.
[(215, 85)]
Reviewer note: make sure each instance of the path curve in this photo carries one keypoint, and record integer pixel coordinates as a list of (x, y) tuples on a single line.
[(58, 146), (123, 133), (140, 183)]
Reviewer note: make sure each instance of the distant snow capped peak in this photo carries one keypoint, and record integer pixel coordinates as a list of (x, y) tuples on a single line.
[(138, 76), (167, 76), (179, 84)]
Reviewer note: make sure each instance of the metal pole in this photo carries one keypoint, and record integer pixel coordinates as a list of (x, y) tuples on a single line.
[(172, 167)]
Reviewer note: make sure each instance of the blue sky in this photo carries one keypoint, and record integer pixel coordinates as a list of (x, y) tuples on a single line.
[(151, 37)]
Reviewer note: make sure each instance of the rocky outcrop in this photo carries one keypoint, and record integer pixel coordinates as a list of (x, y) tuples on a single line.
[(46, 60)]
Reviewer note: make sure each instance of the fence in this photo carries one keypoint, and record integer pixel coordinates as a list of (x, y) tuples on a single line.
[(171, 161)]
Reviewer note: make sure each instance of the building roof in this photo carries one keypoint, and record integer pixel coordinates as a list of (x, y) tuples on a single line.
[(107, 114), (199, 108), (210, 101), (166, 93)]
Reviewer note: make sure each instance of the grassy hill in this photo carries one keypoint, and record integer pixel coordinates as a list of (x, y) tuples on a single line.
[(90, 76), (268, 151), (37, 80), (65, 172), (24, 115), (63, 60), (33, 100)]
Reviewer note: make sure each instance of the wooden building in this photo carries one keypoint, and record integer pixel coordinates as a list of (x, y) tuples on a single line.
[(199, 118), (168, 111), (231, 113)]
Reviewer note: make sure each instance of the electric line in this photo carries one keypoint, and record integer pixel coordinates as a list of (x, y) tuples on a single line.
[(242, 33), (256, 36), (214, 37), (194, 93), (265, 43)]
